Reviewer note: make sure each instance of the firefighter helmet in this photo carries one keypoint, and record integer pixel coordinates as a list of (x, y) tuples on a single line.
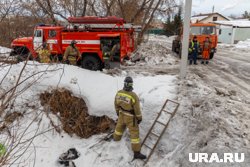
[(128, 84), (44, 45), (73, 42), (128, 80)]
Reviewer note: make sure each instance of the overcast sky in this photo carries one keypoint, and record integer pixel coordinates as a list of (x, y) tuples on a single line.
[(225, 7)]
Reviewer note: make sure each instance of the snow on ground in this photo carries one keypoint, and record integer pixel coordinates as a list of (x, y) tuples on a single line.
[(213, 115), (89, 84), (147, 52), (243, 44), (213, 118), (155, 58), (4, 51), (214, 112), (240, 46), (98, 90), (5, 55)]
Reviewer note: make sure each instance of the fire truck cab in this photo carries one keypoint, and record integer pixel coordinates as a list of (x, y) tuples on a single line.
[(92, 34)]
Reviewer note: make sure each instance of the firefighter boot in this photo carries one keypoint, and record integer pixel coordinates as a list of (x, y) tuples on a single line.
[(138, 155)]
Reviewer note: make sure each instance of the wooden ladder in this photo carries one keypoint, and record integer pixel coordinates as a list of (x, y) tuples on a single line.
[(162, 120)]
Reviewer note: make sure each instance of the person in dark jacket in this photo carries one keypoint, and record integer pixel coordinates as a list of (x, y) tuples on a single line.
[(194, 50)]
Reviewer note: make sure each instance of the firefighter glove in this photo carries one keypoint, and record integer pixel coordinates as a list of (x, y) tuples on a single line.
[(139, 121), (66, 62)]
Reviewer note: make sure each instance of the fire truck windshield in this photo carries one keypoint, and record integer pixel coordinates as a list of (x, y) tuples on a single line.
[(203, 30)]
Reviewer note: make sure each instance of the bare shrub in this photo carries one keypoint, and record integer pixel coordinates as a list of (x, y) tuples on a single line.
[(73, 114)]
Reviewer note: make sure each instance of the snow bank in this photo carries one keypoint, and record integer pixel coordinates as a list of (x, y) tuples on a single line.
[(96, 88), (243, 44), (4, 50), (154, 52), (240, 46)]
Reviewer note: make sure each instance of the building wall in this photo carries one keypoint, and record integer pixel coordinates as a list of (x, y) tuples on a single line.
[(226, 34), (210, 19), (241, 34)]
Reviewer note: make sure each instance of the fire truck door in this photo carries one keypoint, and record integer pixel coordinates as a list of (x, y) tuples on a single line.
[(52, 41), (38, 39), (111, 45)]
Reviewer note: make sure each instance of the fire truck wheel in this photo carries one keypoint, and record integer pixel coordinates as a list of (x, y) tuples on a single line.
[(91, 63)]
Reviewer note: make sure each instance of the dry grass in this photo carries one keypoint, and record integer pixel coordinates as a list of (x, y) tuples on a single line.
[(9, 119), (73, 114)]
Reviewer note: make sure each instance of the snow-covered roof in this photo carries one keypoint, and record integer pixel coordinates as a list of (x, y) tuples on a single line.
[(200, 17), (194, 19), (236, 23)]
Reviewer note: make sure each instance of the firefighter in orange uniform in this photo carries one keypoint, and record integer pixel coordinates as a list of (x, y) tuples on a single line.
[(127, 107), (206, 51)]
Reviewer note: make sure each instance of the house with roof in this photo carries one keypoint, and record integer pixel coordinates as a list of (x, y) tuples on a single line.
[(232, 32), (208, 18)]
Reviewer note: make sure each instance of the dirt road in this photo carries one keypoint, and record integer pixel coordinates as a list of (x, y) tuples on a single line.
[(228, 68)]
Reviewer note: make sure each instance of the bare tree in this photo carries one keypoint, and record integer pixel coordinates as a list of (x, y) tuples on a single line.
[(47, 7), (7, 7), (73, 7), (140, 12)]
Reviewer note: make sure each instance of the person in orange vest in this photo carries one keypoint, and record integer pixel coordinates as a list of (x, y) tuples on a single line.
[(206, 51)]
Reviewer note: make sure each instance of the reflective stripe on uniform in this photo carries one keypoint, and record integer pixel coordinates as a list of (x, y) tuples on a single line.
[(192, 46), (139, 115), (135, 141), (118, 133), (128, 96), (125, 113)]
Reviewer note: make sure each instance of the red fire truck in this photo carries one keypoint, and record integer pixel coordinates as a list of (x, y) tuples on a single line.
[(90, 33)]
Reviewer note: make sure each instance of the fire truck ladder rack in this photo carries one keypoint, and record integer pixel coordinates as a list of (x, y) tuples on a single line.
[(96, 20), (92, 23), (155, 132)]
